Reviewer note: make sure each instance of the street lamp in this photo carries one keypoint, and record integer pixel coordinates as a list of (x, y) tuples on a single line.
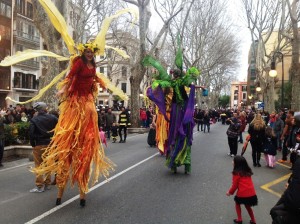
[(273, 72), (258, 88)]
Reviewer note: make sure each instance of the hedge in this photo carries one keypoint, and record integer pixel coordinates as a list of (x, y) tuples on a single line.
[(17, 133)]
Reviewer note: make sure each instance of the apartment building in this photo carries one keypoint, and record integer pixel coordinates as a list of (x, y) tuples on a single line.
[(5, 48), (238, 95)]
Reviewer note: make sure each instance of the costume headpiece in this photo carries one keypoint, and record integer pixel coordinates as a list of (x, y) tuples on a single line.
[(92, 46)]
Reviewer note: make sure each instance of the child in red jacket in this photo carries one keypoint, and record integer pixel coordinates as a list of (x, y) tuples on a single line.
[(242, 182)]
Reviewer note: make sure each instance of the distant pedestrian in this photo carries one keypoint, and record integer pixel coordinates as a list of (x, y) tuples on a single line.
[(257, 132), (114, 132), (278, 129), (242, 183), (123, 123), (102, 136), (40, 134), (270, 147), (233, 133)]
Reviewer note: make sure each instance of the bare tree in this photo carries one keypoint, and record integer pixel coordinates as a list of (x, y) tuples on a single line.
[(266, 19), (295, 67), (209, 44), (138, 71)]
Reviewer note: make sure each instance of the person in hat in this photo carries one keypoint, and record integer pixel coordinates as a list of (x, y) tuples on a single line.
[(40, 132)]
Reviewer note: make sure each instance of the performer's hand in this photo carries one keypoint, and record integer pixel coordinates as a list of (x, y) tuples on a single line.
[(227, 193)]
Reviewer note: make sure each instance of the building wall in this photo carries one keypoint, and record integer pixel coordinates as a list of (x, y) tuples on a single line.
[(5, 48), (238, 95)]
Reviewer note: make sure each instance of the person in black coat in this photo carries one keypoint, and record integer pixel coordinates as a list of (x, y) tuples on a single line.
[(287, 209), (257, 135), (40, 135)]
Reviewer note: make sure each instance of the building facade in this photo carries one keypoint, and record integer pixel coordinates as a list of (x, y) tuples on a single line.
[(238, 95), (6, 14)]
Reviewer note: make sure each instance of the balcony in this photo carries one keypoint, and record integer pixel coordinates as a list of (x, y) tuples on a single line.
[(30, 63), (25, 37)]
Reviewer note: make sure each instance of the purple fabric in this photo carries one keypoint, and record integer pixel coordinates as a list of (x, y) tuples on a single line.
[(158, 97), (181, 127)]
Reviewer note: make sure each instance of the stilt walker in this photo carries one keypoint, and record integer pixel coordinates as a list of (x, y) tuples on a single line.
[(75, 152)]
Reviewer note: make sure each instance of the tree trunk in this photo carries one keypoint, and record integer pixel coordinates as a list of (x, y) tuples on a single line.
[(295, 68), (137, 72)]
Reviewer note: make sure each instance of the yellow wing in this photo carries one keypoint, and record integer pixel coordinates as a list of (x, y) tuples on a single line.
[(119, 51), (111, 87), (100, 38), (59, 23), (29, 54)]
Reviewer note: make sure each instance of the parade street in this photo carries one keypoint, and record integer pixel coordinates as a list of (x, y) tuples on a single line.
[(143, 190)]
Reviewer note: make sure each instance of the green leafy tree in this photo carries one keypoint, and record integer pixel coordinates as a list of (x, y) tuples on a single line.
[(224, 101)]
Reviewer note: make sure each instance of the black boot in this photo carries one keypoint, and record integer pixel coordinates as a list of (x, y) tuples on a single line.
[(82, 202), (58, 201), (258, 159)]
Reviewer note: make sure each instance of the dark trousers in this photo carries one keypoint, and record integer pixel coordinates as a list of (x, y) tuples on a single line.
[(200, 124), (256, 151), (122, 127), (233, 146), (108, 131), (1, 149), (285, 150), (208, 127)]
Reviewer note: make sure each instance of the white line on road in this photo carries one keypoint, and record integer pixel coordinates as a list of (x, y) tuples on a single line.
[(10, 168), (93, 188)]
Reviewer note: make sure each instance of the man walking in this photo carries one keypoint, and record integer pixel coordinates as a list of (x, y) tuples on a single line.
[(123, 123), (40, 134)]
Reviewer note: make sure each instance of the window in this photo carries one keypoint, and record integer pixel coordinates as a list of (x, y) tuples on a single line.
[(244, 96), (235, 98), (124, 87), (29, 10), (244, 88), (22, 80), (30, 32), (19, 47), (124, 71), (20, 5), (102, 69), (2, 8)]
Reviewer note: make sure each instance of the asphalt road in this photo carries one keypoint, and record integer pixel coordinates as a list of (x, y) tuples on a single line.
[(143, 190)]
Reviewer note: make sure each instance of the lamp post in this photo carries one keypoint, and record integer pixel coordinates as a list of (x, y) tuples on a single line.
[(273, 73)]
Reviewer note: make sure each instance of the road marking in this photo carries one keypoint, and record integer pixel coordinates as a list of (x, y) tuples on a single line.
[(10, 168), (267, 186), (284, 165), (93, 188)]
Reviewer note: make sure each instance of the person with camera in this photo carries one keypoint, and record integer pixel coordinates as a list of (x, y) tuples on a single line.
[(233, 133)]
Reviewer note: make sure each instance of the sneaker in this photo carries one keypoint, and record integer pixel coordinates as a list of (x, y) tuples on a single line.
[(229, 154), (232, 155), (37, 190)]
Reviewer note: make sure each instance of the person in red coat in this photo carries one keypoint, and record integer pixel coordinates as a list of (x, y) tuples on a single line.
[(242, 182)]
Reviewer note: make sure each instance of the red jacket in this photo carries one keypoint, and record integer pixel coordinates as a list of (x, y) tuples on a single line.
[(243, 185)]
